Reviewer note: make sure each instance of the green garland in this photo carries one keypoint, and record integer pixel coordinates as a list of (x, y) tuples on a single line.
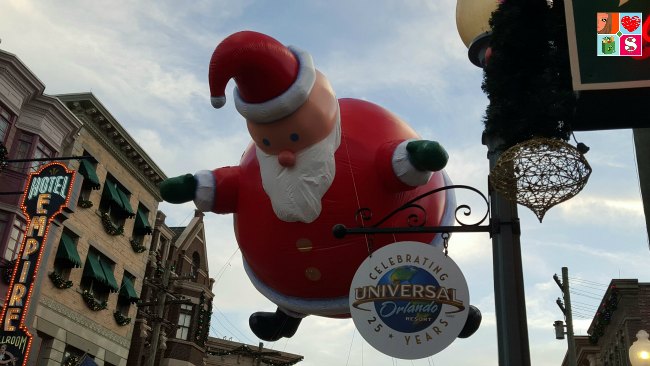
[(604, 316), (59, 281), (120, 319), (85, 204), (3, 156), (72, 360), (528, 78), (7, 271), (92, 303), (248, 352), (109, 227), (136, 246)]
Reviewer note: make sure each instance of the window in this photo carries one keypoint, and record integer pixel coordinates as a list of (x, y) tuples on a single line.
[(142, 226), (66, 256), (88, 169), (70, 352), (30, 146), (41, 151), (196, 264), (115, 202), (184, 321), (6, 118), (127, 294), (98, 277), (15, 239)]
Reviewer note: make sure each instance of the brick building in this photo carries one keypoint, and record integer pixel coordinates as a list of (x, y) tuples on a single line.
[(94, 260), (624, 310)]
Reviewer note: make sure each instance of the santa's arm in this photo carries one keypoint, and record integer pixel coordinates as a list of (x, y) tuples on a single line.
[(215, 190), (411, 163)]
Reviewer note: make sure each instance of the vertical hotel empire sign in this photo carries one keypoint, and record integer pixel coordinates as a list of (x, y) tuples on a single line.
[(47, 193)]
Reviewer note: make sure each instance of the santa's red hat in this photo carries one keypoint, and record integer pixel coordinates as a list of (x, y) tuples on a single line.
[(272, 80)]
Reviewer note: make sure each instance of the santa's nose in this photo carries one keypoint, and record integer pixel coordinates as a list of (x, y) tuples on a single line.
[(287, 159)]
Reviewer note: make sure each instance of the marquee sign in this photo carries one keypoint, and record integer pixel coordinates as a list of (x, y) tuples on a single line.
[(409, 300), (47, 193), (609, 43)]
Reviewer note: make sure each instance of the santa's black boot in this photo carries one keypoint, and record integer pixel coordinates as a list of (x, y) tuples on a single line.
[(472, 323), (273, 326)]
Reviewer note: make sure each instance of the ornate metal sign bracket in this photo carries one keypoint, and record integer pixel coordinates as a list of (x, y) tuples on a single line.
[(416, 223)]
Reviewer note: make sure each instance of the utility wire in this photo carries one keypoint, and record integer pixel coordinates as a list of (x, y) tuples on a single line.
[(350, 349), (227, 329), (587, 281), (228, 321), (225, 266)]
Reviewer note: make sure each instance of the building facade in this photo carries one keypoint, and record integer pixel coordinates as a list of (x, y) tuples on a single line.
[(32, 125), (93, 263), (222, 352), (624, 310), (176, 298)]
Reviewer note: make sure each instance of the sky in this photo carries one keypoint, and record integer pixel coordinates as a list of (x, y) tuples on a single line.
[(147, 62)]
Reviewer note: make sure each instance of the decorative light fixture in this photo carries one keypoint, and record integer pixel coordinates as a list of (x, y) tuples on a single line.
[(640, 350), (540, 173), (473, 23)]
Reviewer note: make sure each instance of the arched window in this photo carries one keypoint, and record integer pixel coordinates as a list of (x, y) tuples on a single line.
[(196, 263)]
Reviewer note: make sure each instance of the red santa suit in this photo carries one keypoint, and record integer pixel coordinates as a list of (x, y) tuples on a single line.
[(298, 264)]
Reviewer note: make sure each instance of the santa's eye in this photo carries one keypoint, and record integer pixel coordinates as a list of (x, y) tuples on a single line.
[(266, 142), (294, 137)]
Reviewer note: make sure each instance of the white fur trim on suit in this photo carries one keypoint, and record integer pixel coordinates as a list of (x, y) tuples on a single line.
[(285, 103), (205, 185), (299, 307), (404, 170)]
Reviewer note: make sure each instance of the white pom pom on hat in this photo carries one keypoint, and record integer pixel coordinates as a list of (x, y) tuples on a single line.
[(272, 80)]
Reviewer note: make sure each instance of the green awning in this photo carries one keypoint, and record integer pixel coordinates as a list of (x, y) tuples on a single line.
[(93, 269), (111, 191), (142, 226), (67, 252), (126, 205), (110, 278), (127, 292), (88, 171)]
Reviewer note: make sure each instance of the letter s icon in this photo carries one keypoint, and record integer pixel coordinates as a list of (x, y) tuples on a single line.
[(630, 44)]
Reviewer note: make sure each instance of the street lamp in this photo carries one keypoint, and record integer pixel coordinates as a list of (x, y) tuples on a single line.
[(472, 21), (640, 350)]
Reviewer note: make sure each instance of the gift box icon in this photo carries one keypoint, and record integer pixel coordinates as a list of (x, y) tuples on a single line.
[(608, 45)]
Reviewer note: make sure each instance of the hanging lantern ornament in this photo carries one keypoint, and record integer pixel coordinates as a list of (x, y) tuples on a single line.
[(540, 173)]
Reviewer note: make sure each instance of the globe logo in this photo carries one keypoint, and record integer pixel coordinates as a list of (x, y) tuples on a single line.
[(413, 310)]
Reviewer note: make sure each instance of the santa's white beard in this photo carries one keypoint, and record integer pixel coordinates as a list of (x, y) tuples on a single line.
[(296, 192)]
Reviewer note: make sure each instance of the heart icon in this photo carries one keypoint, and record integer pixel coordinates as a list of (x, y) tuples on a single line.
[(631, 23)]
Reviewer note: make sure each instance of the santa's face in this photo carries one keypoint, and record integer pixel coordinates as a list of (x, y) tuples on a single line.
[(311, 123), (296, 192)]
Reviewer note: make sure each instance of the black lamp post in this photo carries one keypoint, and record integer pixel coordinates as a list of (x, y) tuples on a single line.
[(472, 20)]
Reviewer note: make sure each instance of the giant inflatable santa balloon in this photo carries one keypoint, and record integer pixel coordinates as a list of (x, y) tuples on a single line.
[(315, 161)]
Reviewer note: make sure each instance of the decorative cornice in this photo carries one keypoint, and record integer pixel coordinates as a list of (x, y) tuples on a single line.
[(84, 322), (103, 126), (30, 82)]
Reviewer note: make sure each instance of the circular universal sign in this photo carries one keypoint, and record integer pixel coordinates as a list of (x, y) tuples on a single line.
[(409, 300)]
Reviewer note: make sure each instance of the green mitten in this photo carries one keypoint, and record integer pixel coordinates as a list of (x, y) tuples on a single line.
[(427, 155), (179, 189)]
